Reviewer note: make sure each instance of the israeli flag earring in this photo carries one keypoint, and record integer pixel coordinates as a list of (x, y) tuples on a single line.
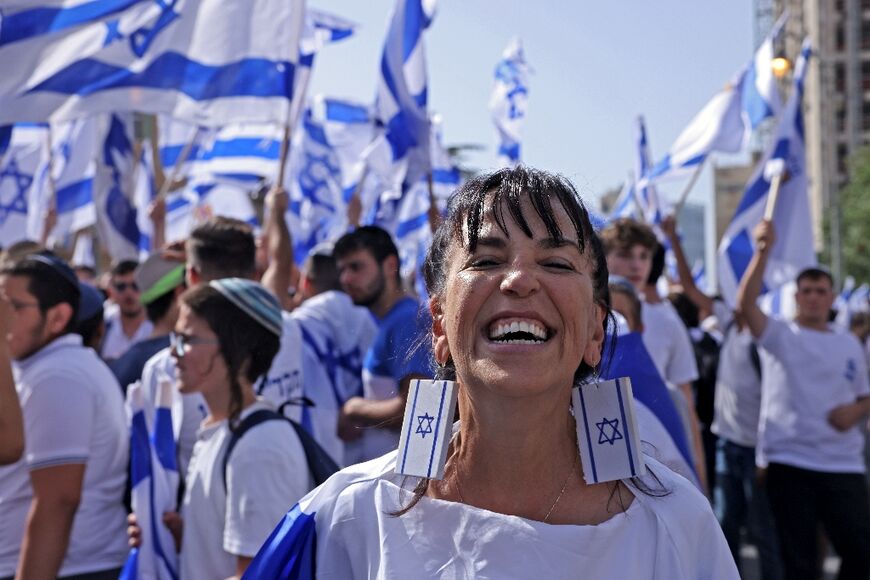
[(426, 427)]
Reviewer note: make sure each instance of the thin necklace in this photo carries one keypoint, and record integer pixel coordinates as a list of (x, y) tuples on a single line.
[(552, 507)]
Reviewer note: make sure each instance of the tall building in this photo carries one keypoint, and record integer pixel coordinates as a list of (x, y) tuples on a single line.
[(837, 96)]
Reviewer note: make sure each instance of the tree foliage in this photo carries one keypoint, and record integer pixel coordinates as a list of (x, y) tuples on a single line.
[(854, 219)]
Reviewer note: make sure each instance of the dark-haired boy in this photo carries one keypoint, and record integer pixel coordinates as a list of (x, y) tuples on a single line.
[(60, 505), (126, 323), (814, 394)]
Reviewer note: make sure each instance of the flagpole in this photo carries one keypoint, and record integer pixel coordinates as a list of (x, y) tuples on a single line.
[(156, 161), (166, 186), (684, 196), (50, 218), (772, 195), (434, 214), (282, 158)]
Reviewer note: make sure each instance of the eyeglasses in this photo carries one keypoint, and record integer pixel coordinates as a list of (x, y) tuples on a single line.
[(178, 343), (122, 286)]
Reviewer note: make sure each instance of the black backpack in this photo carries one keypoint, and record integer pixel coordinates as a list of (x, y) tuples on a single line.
[(320, 465)]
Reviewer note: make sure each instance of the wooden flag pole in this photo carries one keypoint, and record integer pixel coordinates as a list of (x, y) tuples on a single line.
[(166, 186), (686, 190), (434, 214), (282, 158), (156, 160), (772, 195)]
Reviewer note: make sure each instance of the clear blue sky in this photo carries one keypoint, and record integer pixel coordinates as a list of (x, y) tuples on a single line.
[(597, 66)]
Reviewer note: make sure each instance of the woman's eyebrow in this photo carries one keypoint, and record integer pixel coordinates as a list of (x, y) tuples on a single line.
[(553, 243), (492, 242)]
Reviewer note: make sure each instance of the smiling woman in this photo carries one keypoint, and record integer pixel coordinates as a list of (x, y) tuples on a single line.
[(520, 307)]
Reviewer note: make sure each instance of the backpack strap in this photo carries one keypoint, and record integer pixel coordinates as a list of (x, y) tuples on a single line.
[(320, 465)]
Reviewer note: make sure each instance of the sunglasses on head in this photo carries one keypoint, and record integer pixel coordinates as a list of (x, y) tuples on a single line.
[(122, 286)]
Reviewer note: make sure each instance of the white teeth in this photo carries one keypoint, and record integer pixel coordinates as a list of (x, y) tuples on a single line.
[(531, 327)]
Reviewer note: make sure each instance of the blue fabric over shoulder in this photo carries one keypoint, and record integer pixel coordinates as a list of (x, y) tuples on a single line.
[(290, 552)]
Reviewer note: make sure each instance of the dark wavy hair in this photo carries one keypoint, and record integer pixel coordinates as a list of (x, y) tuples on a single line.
[(245, 344)]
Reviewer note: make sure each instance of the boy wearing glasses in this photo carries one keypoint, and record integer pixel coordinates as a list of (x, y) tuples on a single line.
[(126, 324)]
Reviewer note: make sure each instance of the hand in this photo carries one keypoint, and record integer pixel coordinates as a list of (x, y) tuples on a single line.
[(277, 200), (845, 417), (669, 226), (765, 234), (349, 428), (174, 251), (134, 532), (354, 210), (157, 211)]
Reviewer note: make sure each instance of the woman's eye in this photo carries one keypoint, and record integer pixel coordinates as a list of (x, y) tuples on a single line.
[(559, 265), (483, 262)]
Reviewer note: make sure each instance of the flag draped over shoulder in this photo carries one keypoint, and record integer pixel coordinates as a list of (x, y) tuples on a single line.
[(509, 101), (400, 154), (207, 61), (727, 120), (793, 249)]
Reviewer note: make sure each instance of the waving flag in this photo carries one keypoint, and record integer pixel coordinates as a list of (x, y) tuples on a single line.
[(646, 195), (509, 101), (18, 167), (793, 249), (446, 177), (154, 486), (208, 61), (626, 205), (400, 155), (725, 123)]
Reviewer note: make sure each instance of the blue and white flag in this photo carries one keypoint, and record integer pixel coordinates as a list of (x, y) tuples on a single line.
[(626, 204), (19, 165), (202, 198), (646, 195), (74, 149), (509, 101), (400, 154), (446, 177), (154, 486), (850, 301), (699, 275), (793, 249), (726, 122), (207, 61)]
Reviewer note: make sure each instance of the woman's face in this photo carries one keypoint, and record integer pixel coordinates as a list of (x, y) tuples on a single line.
[(198, 360), (517, 315)]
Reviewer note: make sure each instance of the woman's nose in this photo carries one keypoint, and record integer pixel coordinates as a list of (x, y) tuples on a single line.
[(520, 280)]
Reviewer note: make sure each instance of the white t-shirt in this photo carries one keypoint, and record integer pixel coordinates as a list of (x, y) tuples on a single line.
[(116, 343), (738, 385), (282, 382), (674, 536), (806, 374), (266, 474), (667, 340), (336, 335), (73, 414)]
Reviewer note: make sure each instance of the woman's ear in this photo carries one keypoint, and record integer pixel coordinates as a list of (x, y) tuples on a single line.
[(595, 341), (440, 347)]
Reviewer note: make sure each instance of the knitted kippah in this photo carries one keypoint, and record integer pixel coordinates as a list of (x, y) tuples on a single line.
[(253, 299)]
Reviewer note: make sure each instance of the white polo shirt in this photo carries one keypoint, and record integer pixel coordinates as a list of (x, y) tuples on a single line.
[(667, 340), (116, 343), (805, 375), (73, 414)]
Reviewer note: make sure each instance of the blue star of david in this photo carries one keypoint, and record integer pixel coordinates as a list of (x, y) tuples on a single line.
[(112, 32), (613, 426), (421, 430), (21, 182)]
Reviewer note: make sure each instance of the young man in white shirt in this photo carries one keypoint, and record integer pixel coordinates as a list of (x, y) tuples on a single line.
[(629, 247), (61, 511), (814, 395)]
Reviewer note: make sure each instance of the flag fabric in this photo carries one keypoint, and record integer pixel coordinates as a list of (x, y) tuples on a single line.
[(646, 195), (446, 177), (509, 101), (699, 275), (154, 486), (850, 301), (727, 120), (660, 423), (793, 249), (400, 154), (204, 197), (626, 204), (207, 61), (19, 165)]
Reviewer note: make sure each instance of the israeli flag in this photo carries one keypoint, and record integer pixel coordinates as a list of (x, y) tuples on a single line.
[(205, 197), (446, 177), (699, 275), (19, 164), (626, 205), (509, 101), (154, 486), (646, 195), (400, 154), (119, 215), (793, 249), (72, 164), (206, 61), (851, 300), (726, 122)]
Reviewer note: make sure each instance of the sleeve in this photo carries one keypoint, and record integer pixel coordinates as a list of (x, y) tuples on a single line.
[(682, 367), (774, 339), (723, 313), (264, 479), (58, 422)]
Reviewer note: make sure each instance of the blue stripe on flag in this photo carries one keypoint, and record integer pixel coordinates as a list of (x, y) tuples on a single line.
[(255, 77), (345, 112), (290, 552), (739, 253), (510, 150), (446, 176), (243, 147), (410, 425), (412, 224), (588, 436), (74, 196), (625, 430), (43, 20), (140, 450), (415, 21), (437, 425)]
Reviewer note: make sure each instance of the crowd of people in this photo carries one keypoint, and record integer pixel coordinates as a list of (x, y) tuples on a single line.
[(524, 299)]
